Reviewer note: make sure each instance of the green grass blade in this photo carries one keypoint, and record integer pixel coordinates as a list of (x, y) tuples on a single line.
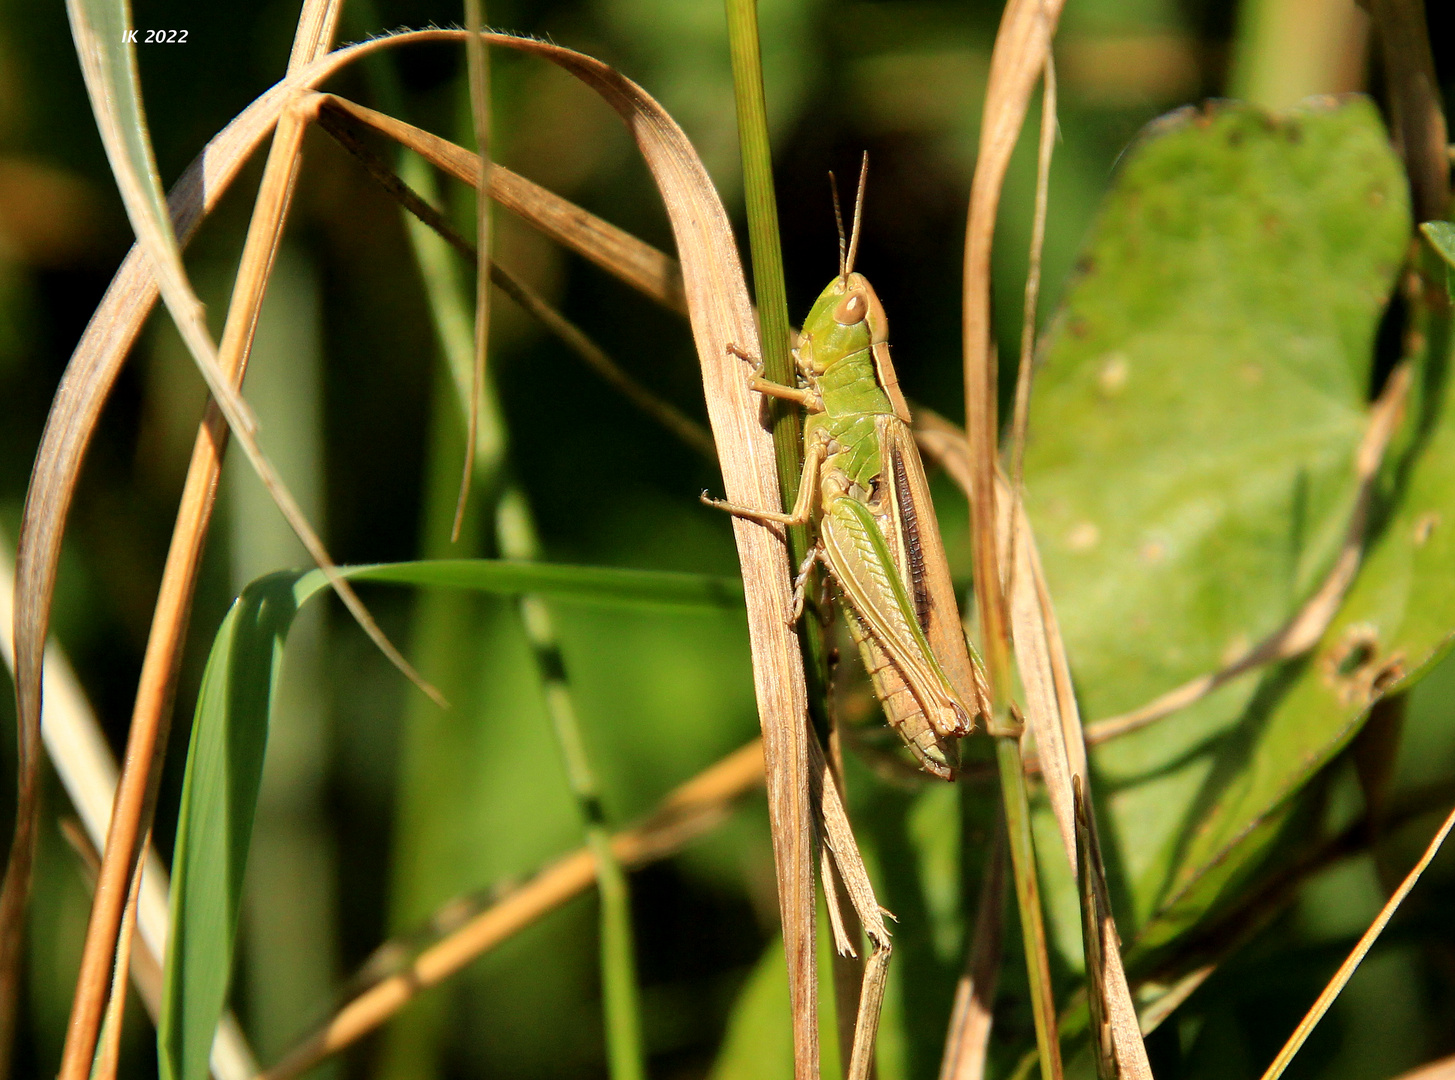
[(762, 206), (601, 585), (230, 732), (219, 796)]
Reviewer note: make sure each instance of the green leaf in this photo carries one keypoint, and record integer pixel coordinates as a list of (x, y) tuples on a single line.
[(229, 736), (1190, 468), (1397, 622)]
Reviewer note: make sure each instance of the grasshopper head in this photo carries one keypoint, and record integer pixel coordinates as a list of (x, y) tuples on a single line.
[(845, 320), (847, 323)]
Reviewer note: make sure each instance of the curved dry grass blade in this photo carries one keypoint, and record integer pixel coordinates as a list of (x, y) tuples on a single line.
[(478, 60), (1307, 625), (690, 811), (651, 272), (568, 333), (722, 316), (108, 64), (1022, 415), (82, 759), (1352, 962), (1022, 45)]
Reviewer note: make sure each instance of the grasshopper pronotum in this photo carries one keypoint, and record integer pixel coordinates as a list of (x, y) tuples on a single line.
[(864, 485)]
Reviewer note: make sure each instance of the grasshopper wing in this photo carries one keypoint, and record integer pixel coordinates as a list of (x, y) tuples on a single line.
[(919, 555), (862, 564)]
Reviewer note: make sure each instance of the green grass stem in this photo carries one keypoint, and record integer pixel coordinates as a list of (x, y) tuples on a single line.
[(1028, 899)]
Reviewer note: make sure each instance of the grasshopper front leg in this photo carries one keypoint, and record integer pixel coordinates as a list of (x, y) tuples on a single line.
[(802, 507), (809, 398)]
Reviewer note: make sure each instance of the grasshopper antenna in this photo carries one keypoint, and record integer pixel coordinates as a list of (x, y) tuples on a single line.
[(839, 221), (848, 264)]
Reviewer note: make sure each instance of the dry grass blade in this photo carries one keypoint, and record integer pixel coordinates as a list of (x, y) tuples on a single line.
[(651, 272), (1117, 1035), (84, 388), (568, 333), (837, 836), (134, 168), (1051, 711), (1021, 418), (1414, 102), (146, 969), (973, 1012), (691, 810), (1055, 721), (1352, 962), (1307, 625), (1022, 45), (722, 316)]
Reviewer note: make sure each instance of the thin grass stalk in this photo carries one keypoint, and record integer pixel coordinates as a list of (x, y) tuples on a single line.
[(621, 1003), (515, 537), (798, 914), (1017, 61), (1028, 900), (688, 812), (973, 1012), (151, 718), (1355, 957)]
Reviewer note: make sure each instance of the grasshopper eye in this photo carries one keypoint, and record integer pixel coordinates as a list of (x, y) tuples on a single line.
[(851, 309)]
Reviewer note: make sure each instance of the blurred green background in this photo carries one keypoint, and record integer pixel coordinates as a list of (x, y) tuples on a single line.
[(377, 808)]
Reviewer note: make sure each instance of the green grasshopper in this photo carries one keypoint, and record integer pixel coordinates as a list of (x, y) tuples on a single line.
[(864, 484)]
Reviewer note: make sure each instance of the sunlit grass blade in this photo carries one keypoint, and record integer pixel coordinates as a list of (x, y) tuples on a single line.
[(105, 45), (1356, 957)]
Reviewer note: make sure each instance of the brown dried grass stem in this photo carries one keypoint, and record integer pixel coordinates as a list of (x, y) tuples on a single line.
[(651, 272), (690, 811), (563, 329), (1021, 419)]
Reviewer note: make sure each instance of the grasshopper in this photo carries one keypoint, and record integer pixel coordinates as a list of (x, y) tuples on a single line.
[(864, 486)]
